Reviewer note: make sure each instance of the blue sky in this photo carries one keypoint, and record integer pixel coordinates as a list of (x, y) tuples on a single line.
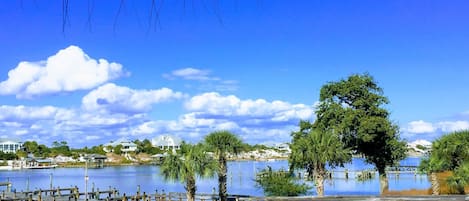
[(252, 67)]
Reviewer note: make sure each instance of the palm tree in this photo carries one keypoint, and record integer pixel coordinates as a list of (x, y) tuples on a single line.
[(185, 165), (222, 143), (313, 150)]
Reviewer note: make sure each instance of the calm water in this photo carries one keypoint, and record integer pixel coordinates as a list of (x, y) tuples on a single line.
[(240, 179)]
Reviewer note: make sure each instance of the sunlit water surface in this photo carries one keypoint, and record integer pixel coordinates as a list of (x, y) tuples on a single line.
[(241, 176)]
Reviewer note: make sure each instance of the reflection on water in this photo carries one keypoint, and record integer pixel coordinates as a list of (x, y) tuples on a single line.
[(240, 179)]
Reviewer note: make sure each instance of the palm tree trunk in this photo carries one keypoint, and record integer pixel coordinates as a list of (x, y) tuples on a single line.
[(383, 181), (222, 179), (319, 175), (435, 184), (190, 189)]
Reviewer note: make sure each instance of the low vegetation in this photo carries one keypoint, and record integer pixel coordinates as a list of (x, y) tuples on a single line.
[(449, 153), (280, 183)]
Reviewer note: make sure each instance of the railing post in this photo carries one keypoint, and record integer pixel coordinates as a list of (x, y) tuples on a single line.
[(40, 195)]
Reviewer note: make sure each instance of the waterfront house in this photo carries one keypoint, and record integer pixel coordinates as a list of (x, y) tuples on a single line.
[(167, 142), (127, 146), (10, 145)]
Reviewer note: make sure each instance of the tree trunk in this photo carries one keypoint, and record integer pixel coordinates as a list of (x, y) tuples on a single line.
[(190, 189), (222, 179), (319, 175), (383, 181), (435, 184)]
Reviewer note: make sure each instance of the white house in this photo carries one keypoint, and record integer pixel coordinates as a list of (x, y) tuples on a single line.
[(127, 145), (167, 142), (9, 145)]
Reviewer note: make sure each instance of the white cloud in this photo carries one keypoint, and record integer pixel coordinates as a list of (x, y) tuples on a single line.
[(118, 99), (451, 126), (92, 137), (420, 127), (24, 113), (68, 70), (207, 81), (21, 132), (214, 104), (190, 74)]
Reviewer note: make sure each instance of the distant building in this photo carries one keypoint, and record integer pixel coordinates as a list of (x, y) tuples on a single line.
[(167, 142), (127, 146), (10, 145)]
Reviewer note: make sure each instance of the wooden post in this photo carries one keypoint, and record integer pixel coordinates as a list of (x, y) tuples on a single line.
[(30, 197), (124, 198), (77, 193), (346, 174), (96, 196), (39, 197)]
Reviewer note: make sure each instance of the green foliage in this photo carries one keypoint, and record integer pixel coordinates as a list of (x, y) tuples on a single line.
[(60, 148), (314, 149), (221, 143), (118, 149), (353, 109), (21, 154), (145, 146), (279, 183), (189, 162), (421, 147), (7, 156), (460, 178), (448, 153), (38, 150)]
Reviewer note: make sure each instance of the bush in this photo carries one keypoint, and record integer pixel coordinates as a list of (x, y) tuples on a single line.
[(279, 183)]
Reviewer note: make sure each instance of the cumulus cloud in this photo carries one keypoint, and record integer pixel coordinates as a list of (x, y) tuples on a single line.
[(69, 70), (420, 127), (25, 113), (119, 99), (451, 126), (215, 105)]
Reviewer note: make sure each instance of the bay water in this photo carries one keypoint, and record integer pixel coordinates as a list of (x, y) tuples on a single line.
[(241, 175)]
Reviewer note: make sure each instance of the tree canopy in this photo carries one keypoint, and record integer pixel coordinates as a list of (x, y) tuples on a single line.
[(353, 108)]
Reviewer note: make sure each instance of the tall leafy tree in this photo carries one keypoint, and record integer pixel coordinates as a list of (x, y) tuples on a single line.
[(185, 165), (313, 150), (222, 143), (449, 153), (353, 108)]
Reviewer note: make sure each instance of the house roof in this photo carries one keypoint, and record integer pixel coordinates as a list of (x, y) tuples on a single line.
[(121, 141), (166, 140), (96, 156)]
